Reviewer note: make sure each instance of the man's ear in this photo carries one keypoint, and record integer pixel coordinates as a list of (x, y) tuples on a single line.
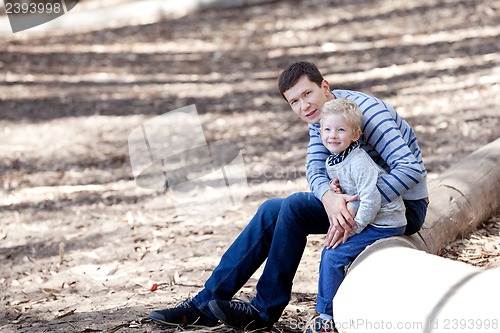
[(326, 87)]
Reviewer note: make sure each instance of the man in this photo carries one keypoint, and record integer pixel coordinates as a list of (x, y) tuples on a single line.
[(278, 231)]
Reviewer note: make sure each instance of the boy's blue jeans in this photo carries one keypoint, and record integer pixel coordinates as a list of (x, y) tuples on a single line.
[(334, 261), (277, 232)]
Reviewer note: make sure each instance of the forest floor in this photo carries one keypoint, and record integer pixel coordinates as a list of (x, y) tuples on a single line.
[(82, 244)]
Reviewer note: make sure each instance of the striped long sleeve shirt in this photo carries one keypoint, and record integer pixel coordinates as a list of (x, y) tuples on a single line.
[(390, 142)]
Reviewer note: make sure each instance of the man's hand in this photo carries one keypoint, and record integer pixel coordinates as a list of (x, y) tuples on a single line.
[(334, 238), (341, 221)]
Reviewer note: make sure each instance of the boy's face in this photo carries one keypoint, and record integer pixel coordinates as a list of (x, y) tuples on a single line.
[(337, 134), (306, 99)]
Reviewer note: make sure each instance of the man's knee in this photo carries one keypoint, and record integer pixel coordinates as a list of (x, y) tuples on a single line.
[(296, 201), (271, 207), (300, 208), (416, 211), (412, 227)]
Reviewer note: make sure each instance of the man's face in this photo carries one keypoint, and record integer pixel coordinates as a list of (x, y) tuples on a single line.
[(306, 99)]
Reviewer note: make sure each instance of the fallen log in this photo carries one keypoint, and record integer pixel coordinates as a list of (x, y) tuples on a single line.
[(400, 285), (461, 198)]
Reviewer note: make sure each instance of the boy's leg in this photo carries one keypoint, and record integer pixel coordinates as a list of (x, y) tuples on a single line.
[(334, 262)]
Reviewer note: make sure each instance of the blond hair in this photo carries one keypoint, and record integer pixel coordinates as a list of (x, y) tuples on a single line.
[(349, 109)]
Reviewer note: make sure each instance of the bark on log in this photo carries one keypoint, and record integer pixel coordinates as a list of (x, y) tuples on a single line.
[(461, 199)]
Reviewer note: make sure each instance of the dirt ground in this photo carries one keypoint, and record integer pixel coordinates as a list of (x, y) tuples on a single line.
[(82, 244)]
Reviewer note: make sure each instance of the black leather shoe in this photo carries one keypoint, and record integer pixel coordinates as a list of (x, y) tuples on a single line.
[(184, 314), (239, 314)]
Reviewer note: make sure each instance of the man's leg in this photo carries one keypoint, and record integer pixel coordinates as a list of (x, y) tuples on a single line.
[(245, 255), (301, 214), (415, 215), (238, 263)]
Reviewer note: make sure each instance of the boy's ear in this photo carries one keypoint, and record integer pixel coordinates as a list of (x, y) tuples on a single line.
[(357, 135)]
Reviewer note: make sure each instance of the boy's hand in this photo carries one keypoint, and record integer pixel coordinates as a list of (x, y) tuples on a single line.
[(351, 209), (335, 186), (341, 221)]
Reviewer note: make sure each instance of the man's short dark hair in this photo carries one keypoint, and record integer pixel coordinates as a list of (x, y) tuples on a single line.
[(290, 76)]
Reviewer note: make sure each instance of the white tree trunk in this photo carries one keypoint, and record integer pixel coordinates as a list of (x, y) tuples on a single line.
[(400, 285)]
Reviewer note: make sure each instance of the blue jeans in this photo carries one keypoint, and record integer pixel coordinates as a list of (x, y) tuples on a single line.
[(334, 261), (277, 232)]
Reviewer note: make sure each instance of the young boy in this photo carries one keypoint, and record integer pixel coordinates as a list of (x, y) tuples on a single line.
[(357, 173)]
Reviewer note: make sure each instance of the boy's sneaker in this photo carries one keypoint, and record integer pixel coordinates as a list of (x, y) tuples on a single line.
[(184, 314), (318, 324), (239, 314)]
